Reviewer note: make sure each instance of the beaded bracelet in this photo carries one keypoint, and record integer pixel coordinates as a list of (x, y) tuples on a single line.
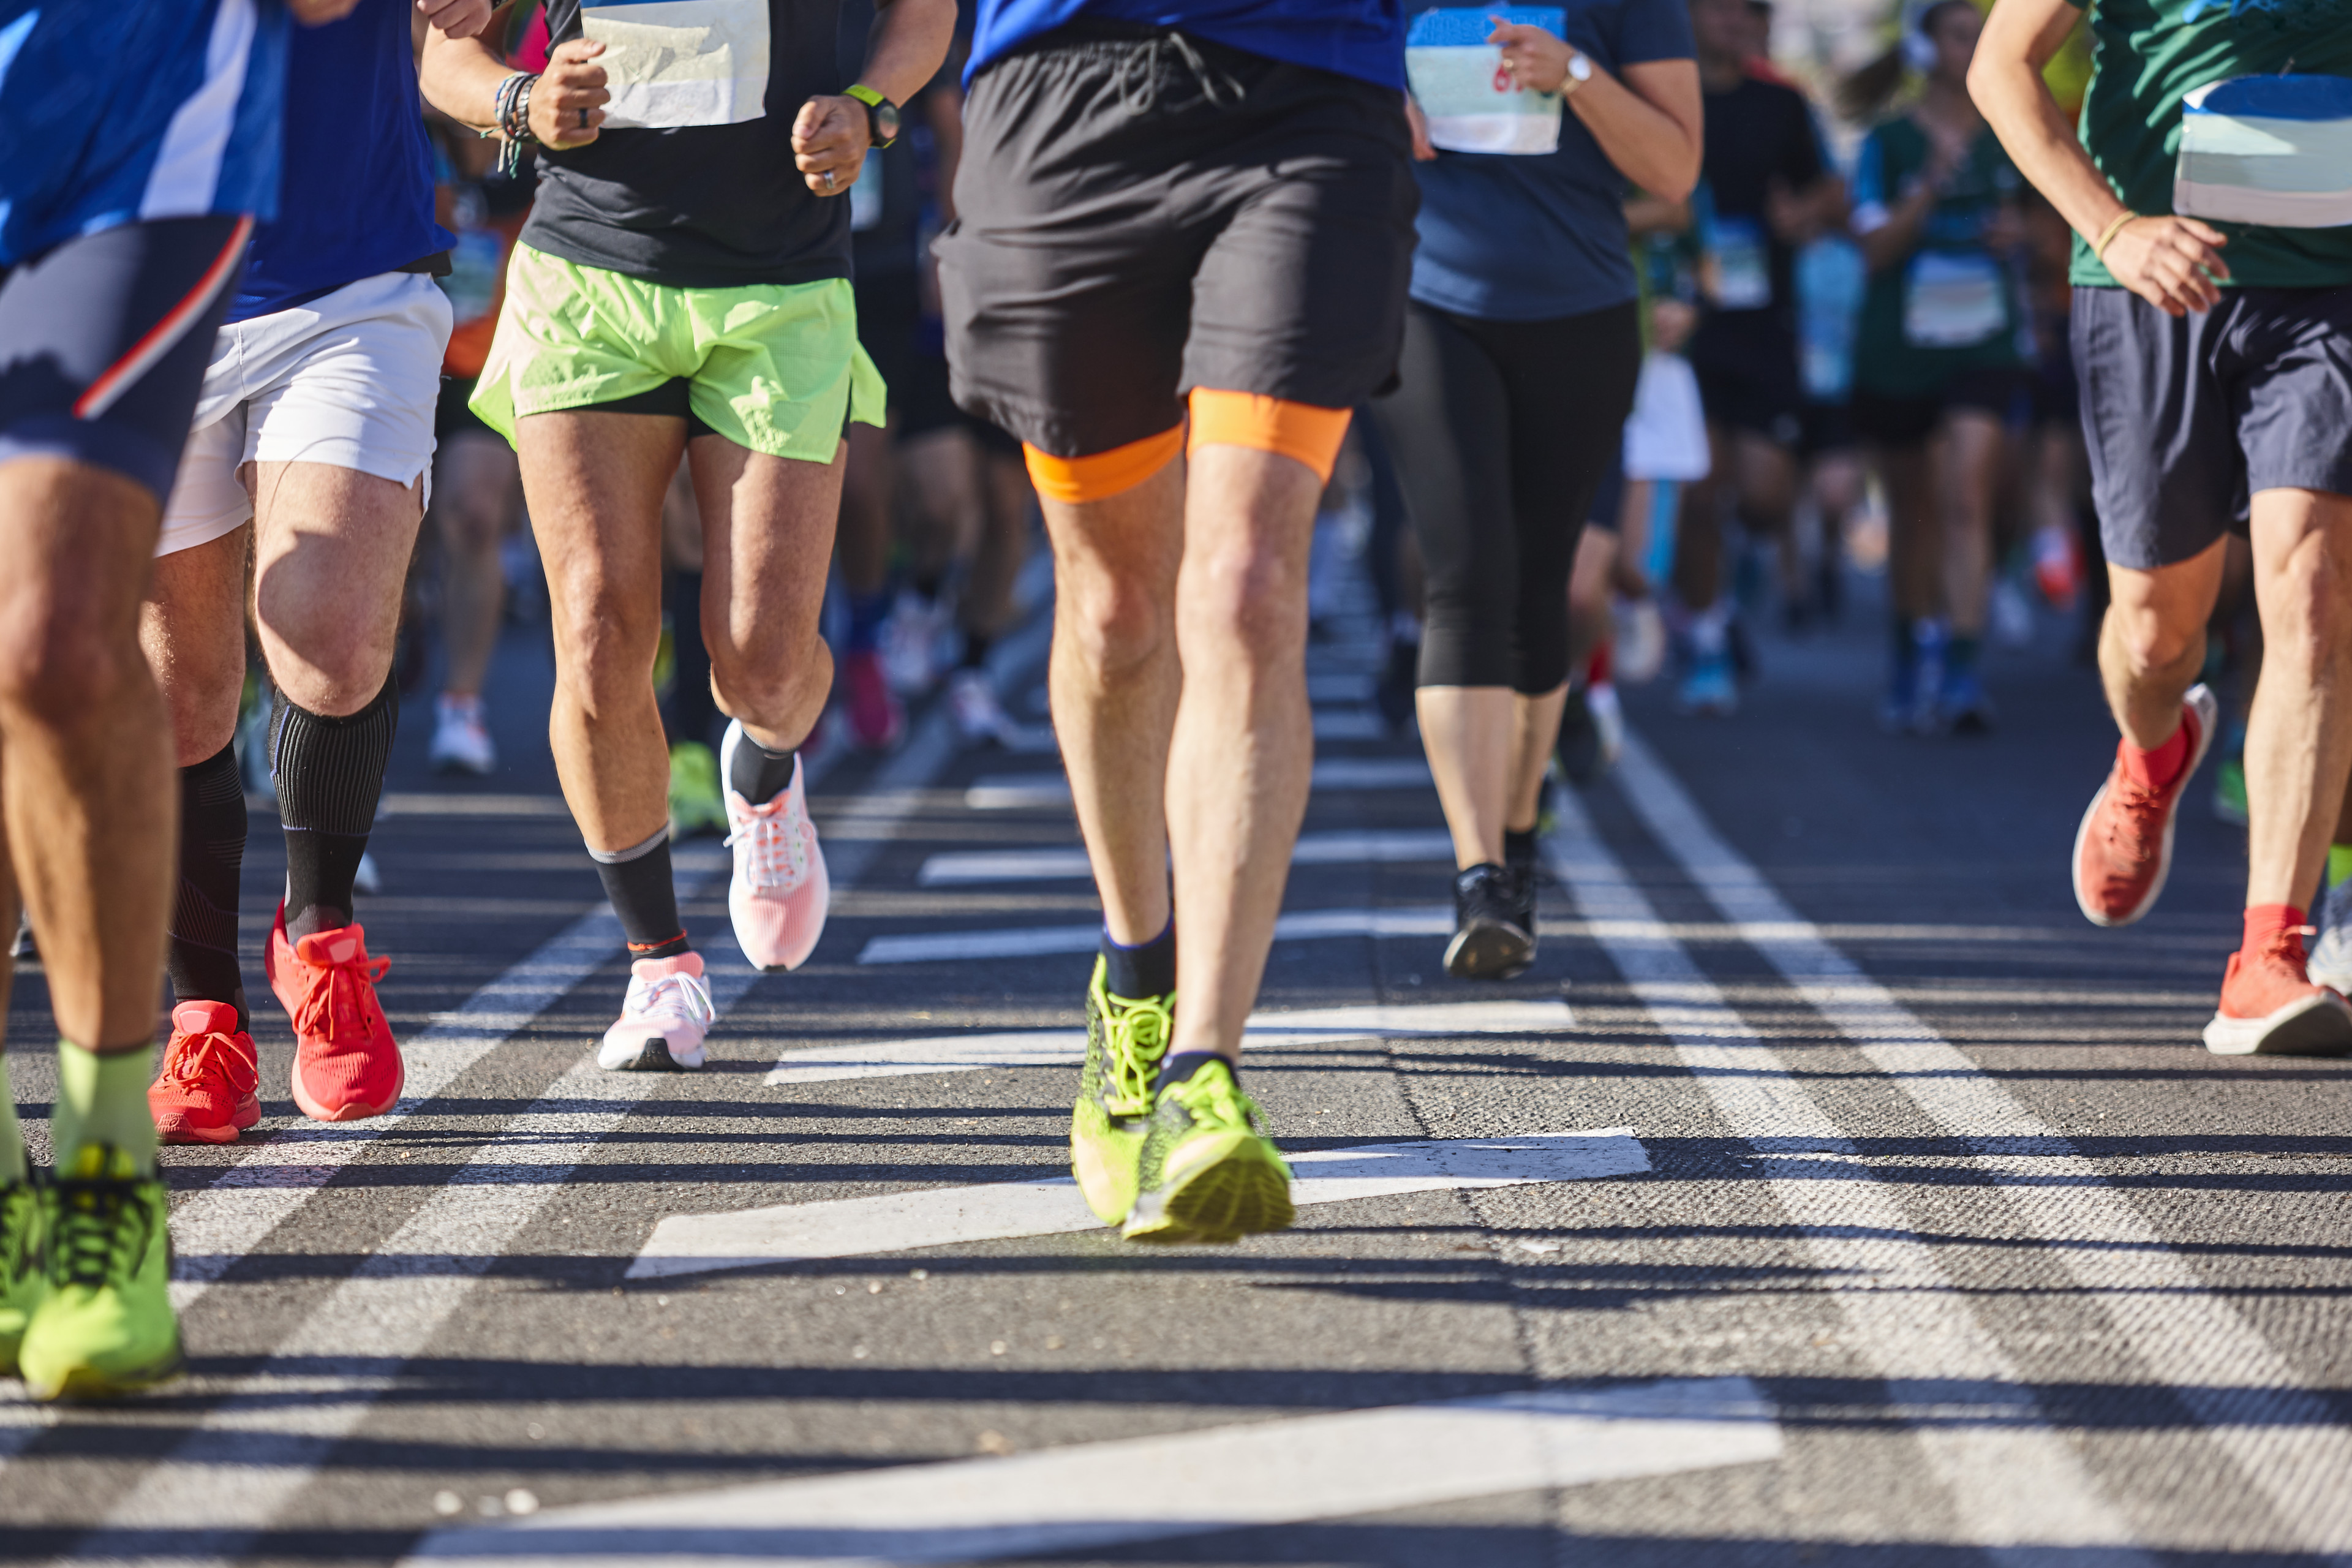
[(513, 104)]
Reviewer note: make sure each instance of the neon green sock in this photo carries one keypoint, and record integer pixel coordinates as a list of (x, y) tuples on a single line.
[(13, 1167), (103, 1099), (2339, 863)]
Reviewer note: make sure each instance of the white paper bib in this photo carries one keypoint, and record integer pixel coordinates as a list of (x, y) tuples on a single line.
[(671, 63), (2272, 150), (1953, 299), (1457, 78)]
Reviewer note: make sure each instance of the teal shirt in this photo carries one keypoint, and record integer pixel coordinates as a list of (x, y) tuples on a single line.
[(1952, 304)]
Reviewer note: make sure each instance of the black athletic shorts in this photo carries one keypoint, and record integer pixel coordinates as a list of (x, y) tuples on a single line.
[(2186, 418), (104, 341), (1824, 427), (1142, 212), (1885, 421), (1763, 398), (1609, 500), (889, 310)]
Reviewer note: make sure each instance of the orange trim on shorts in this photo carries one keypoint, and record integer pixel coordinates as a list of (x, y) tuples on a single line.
[(1100, 475), (1300, 430)]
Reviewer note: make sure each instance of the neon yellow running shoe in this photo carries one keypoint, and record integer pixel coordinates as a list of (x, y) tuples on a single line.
[(2230, 792), (107, 1325), (24, 1267), (1207, 1174), (696, 806), (1126, 1037)]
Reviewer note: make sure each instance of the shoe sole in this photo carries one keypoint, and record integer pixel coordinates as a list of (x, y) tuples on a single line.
[(1103, 1160), (2202, 699), (654, 1056), (90, 1382), (2318, 1025), (1489, 950), (247, 1115), (1245, 1191)]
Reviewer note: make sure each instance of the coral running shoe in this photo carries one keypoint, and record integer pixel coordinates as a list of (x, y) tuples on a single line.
[(204, 1093), (106, 1325), (780, 893), (876, 718), (346, 1064), (2270, 1008), (663, 1020), (2123, 851), (23, 1266)]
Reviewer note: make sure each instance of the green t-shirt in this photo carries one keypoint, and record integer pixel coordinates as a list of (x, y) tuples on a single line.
[(1952, 304), (2153, 53)]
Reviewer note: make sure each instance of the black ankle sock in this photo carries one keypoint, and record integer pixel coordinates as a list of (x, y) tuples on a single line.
[(1147, 969), (202, 957), (1519, 848), (329, 775), (1184, 1064), (638, 882), (757, 773), (693, 712)]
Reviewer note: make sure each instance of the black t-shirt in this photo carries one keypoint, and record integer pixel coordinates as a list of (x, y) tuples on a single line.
[(888, 210), (704, 207), (1758, 135)]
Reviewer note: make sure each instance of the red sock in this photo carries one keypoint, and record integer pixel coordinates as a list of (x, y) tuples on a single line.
[(1596, 673), (2159, 765), (2265, 921)]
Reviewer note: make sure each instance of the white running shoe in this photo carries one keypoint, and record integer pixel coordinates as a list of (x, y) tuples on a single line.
[(1640, 643), (909, 644), (461, 742), (971, 701), (780, 892), (1609, 718), (664, 1019), (2331, 956)]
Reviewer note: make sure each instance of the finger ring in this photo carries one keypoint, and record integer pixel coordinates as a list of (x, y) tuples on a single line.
[(828, 179)]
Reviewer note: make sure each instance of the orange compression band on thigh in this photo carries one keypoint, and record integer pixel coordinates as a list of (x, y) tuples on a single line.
[(1101, 474), (1298, 430)]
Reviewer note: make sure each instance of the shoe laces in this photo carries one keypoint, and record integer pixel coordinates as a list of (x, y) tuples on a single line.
[(774, 847), (680, 997), (1214, 1099), (99, 1226), (192, 1060), (1138, 1032), (2138, 814), (342, 996)]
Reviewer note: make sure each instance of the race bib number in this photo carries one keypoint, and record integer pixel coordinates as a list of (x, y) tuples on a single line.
[(1952, 301), (671, 63), (1459, 81), (1743, 265), (2273, 150)]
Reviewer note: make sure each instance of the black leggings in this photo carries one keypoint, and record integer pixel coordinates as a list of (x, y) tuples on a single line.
[(1501, 432)]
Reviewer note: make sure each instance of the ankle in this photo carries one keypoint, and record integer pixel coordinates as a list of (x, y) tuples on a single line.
[(2265, 923), (1141, 969), (1182, 1065), (2156, 767)]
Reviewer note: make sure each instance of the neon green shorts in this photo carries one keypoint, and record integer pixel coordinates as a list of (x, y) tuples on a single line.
[(773, 367)]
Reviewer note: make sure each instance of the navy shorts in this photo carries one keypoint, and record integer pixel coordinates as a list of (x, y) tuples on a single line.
[(2186, 419), (104, 341), (1883, 420)]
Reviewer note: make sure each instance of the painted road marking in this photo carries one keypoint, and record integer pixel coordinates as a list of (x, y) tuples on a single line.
[(2013, 1482), (1012, 791), (1067, 1047), (1030, 941), (964, 867), (1001, 1210), (2290, 1442), (1266, 1473)]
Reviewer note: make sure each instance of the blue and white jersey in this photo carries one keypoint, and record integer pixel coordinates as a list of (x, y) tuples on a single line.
[(133, 110)]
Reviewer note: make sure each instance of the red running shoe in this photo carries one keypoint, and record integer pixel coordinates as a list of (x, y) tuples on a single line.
[(2270, 1008), (204, 1093), (2123, 852), (346, 1063), (876, 718)]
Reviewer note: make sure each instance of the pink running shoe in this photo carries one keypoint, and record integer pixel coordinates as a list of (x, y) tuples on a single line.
[(876, 718), (780, 893), (664, 1019)]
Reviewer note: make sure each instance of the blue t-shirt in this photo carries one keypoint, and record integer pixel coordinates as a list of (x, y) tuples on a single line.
[(1362, 39), (141, 110), (1530, 237), (358, 193)]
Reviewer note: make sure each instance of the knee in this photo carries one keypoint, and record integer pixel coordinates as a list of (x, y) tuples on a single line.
[(2148, 643), (605, 639), (1249, 598), (62, 665), (1113, 627), (770, 690)]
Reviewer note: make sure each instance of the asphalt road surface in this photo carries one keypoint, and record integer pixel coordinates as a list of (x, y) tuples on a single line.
[(1828, 1193)]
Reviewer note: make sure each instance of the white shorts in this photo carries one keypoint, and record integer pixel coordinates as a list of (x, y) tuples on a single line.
[(349, 379)]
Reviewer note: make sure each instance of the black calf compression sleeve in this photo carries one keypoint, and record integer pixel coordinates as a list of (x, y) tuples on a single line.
[(329, 775), (203, 954)]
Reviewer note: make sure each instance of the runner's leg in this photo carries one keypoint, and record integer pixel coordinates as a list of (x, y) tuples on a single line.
[(2299, 733)]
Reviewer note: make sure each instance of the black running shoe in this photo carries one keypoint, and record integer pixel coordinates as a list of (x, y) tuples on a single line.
[(1520, 858), (1579, 749), (1488, 943)]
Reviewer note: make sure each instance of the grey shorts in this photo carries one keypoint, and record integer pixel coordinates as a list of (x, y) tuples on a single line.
[(1133, 223), (2185, 419)]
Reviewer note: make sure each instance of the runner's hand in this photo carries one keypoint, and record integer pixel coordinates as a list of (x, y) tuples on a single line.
[(829, 137), (1535, 58), (312, 12), (567, 106), (2170, 262), (456, 18), (1425, 150)]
